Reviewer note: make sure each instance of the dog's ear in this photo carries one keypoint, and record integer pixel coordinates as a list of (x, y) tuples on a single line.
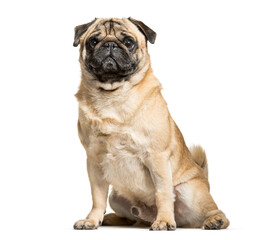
[(79, 31), (148, 32)]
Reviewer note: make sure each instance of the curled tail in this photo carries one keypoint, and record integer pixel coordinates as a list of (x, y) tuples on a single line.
[(199, 156)]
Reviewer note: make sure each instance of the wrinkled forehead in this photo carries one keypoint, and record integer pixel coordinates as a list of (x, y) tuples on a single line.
[(110, 26), (113, 27)]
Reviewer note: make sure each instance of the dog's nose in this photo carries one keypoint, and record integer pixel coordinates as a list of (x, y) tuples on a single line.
[(110, 45)]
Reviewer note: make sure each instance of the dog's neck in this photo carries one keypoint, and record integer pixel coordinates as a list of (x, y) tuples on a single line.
[(119, 104)]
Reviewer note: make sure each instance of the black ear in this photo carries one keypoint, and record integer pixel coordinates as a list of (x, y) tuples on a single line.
[(79, 31), (148, 32)]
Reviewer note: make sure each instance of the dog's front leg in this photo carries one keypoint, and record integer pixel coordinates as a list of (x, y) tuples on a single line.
[(161, 174), (99, 189)]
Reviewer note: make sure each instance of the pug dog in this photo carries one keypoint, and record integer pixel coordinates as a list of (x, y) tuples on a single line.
[(130, 138)]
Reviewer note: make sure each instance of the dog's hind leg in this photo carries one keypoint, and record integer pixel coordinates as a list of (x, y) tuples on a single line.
[(195, 207), (128, 214), (111, 219), (122, 216)]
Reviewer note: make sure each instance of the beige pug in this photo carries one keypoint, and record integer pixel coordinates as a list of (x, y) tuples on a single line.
[(130, 138)]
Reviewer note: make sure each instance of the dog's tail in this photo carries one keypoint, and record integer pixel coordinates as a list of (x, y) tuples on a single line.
[(199, 156)]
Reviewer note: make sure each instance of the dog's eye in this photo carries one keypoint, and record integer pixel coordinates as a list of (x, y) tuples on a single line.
[(92, 43), (129, 43)]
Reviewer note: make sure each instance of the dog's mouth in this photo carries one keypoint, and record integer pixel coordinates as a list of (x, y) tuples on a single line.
[(111, 69)]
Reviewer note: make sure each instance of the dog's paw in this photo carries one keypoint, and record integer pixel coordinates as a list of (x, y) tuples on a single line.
[(216, 222), (163, 225), (86, 224)]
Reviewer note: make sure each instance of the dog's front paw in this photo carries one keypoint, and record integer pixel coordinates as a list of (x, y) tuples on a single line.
[(86, 224), (163, 225)]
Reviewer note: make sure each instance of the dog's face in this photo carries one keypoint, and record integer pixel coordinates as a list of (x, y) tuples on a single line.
[(113, 50)]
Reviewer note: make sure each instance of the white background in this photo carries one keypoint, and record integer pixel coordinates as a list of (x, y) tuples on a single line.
[(209, 57)]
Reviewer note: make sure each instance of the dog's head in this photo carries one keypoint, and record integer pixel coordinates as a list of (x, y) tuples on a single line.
[(113, 50)]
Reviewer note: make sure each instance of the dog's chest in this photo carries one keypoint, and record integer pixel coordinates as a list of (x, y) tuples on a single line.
[(121, 152)]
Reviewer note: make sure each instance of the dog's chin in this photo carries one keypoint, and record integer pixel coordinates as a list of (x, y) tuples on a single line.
[(110, 81), (110, 77)]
